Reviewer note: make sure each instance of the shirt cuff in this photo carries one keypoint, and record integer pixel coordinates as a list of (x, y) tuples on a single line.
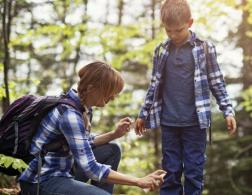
[(142, 114), (104, 173), (91, 139), (229, 112)]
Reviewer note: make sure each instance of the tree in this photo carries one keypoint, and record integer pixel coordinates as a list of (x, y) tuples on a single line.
[(6, 31), (244, 41)]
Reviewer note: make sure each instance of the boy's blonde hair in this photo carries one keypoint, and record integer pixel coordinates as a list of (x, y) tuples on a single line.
[(175, 12), (101, 76)]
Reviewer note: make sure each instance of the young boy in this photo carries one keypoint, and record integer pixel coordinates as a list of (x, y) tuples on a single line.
[(178, 100)]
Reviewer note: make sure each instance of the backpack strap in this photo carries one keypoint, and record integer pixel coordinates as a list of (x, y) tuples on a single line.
[(60, 143), (205, 46)]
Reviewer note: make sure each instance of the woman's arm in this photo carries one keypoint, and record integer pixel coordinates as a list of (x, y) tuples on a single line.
[(71, 126), (104, 138), (151, 181), (122, 127)]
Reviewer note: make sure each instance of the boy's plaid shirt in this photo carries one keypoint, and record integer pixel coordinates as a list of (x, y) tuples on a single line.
[(207, 77)]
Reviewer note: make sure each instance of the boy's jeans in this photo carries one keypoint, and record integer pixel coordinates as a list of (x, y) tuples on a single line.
[(109, 154), (183, 150)]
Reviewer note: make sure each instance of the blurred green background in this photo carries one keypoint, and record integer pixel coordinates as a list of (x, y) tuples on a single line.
[(44, 43)]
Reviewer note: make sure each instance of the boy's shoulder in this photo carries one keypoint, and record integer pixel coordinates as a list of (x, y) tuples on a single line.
[(197, 41)]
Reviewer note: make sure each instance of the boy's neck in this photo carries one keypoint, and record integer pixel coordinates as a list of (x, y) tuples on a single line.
[(185, 40)]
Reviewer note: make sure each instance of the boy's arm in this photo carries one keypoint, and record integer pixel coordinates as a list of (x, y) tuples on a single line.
[(150, 91), (216, 82), (218, 88)]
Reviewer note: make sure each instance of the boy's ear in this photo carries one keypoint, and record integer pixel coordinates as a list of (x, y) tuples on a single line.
[(190, 22)]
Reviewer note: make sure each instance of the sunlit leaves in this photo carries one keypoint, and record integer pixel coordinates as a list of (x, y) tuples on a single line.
[(116, 41), (247, 100), (7, 161), (248, 7)]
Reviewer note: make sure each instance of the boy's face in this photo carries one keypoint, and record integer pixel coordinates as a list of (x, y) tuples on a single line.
[(179, 33)]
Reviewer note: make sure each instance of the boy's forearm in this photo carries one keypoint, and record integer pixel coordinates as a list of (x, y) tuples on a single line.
[(217, 84), (222, 98)]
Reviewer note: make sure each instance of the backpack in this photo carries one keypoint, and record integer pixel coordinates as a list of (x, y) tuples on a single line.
[(20, 122)]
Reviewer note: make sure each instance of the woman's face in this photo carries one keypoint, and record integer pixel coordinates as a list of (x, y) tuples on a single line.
[(96, 98)]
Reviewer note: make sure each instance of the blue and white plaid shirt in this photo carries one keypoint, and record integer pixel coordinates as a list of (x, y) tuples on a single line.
[(69, 123), (207, 77)]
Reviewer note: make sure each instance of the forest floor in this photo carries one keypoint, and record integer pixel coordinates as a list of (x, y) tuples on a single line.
[(10, 191)]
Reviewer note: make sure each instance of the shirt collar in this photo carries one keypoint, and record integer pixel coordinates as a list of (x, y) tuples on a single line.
[(192, 40), (73, 94)]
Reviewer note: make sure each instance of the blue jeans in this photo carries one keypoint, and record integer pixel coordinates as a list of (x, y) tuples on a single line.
[(109, 154), (183, 150)]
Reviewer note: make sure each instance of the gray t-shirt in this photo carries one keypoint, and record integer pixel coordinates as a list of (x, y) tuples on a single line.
[(178, 107)]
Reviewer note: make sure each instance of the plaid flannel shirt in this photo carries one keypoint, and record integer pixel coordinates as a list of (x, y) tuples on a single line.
[(69, 123), (207, 77)]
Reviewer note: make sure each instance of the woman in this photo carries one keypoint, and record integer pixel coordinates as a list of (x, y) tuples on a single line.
[(95, 157)]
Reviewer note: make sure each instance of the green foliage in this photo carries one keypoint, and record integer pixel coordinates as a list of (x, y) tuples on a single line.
[(247, 100), (7, 161), (229, 164), (2, 92), (138, 155), (248, 7), (44, 52), (138, 160)]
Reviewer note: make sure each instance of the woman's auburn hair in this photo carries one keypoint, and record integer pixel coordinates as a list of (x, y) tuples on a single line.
[(101, 76)]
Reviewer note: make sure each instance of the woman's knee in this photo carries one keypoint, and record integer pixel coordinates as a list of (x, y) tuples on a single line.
[(116, 149)]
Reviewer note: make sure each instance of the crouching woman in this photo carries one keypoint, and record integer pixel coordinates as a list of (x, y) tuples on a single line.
[(95, 157)]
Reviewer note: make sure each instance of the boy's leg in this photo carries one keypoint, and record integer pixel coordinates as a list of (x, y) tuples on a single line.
[(109, 154), (172, 161), (194, 141)]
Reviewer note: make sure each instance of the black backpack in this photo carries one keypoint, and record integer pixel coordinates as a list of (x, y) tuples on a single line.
[(20, 122)]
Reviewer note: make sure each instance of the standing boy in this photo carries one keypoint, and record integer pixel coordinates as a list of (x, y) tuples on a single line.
[(178, 100)]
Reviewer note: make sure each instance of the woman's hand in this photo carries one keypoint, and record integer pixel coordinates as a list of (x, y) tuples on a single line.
[(152, 181), (122, 127)]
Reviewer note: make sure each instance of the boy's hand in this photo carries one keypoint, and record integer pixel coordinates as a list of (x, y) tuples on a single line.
[(231, 124), (139, 127)]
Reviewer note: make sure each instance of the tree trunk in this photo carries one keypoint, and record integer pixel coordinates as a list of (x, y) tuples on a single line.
[(6, 23), (156, 132), (245, 43), (120, 11), (153, 29)]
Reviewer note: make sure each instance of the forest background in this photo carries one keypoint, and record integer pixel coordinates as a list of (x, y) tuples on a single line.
[(44, 42)]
